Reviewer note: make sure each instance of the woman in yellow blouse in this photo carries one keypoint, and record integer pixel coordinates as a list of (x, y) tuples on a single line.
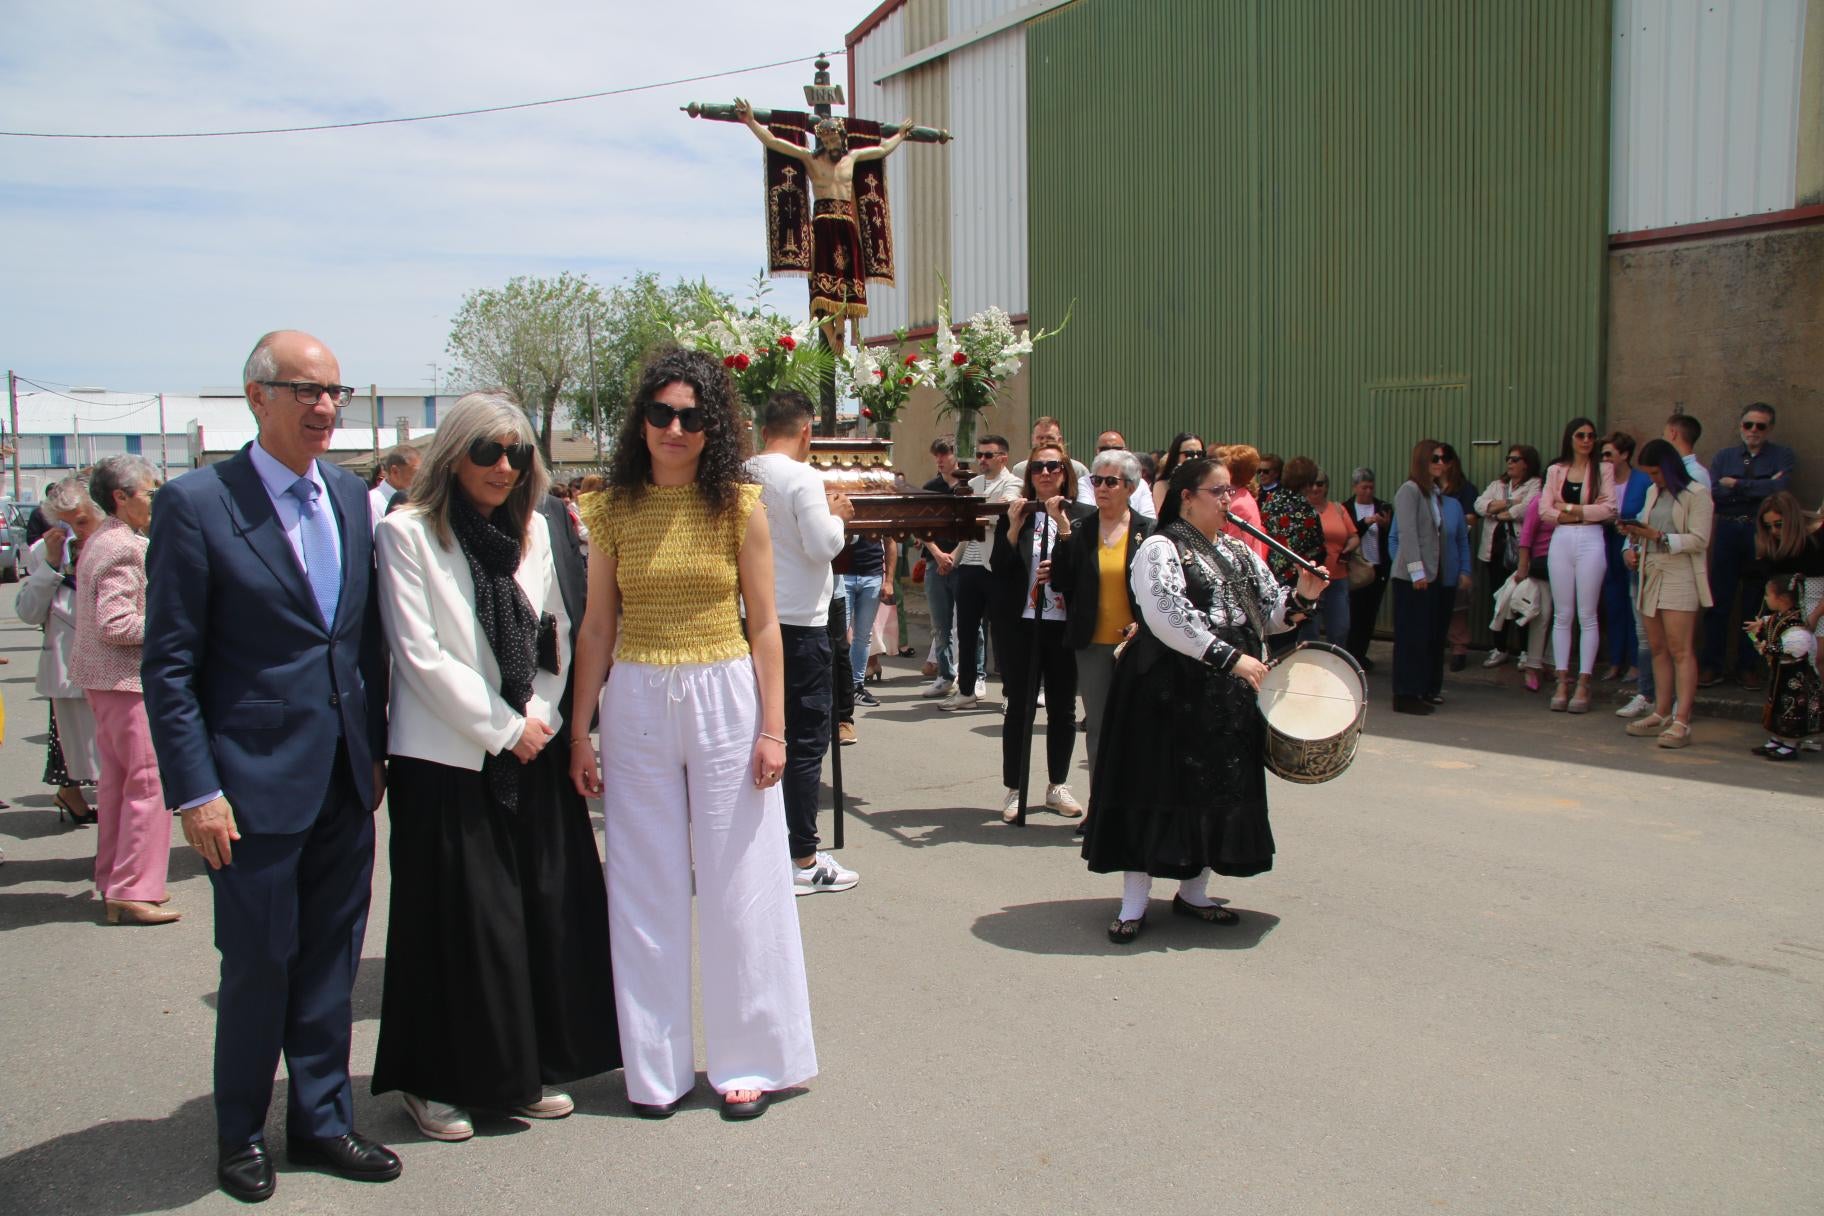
[(692, 729), (1091, 568)]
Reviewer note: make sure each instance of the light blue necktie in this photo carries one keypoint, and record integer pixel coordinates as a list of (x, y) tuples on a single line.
[(321, 566)]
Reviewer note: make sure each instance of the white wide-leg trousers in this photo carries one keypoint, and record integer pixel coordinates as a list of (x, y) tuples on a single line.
[(678, 793)]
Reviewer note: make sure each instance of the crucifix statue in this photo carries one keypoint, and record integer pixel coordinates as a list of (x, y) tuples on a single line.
[(826, 206)]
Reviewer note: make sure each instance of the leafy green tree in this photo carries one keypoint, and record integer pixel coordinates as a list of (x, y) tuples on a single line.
[(528, 337), (639, 315)]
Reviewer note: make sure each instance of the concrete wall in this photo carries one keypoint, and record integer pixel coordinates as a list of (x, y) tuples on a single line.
[(1708, 326)]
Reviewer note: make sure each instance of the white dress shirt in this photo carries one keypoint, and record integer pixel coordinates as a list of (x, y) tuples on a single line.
[(806, 538)]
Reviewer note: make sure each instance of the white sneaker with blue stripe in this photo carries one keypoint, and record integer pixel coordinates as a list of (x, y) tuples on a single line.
[(824, 873)]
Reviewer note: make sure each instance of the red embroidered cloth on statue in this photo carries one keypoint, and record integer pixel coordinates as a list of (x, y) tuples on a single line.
[(840, 247)]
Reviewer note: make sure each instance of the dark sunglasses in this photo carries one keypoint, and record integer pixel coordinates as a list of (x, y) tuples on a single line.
[(987, 454), (487, 454), (1439, 458), (1047, 466), (660, 416), (1190, 453), (1754, 426), (1516, 460), (1101, 479), (1584, 435)]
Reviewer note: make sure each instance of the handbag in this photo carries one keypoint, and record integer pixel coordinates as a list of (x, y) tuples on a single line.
[(1361, 571), (1507, 547)]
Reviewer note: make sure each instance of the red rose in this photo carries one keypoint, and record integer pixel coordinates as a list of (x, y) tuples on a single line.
[(866, 412), (879, 374), (729, 361), (906, 380), (787, 341), (959, 358), (741, 362), (911, 360)]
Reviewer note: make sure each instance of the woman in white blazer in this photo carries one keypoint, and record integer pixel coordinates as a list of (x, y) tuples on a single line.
[(47, 598), (1668, 544), (497, 976)]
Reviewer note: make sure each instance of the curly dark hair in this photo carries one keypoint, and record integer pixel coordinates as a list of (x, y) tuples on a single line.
[(721, 468)]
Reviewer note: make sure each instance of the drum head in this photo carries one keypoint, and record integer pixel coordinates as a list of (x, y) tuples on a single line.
[(1313, 693)]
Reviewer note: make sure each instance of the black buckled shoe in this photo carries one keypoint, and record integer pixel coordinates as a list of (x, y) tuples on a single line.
[(245, 1172), (1215, 914), (1123, 932), (350, 1155)]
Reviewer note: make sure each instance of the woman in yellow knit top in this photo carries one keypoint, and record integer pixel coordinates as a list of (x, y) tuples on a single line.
[(692, 729)]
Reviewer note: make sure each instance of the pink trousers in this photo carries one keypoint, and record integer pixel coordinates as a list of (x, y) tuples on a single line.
[(133, 837)]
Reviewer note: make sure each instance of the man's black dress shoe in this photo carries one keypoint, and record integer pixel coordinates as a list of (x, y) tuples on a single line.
[(245, 1172), (351, 1155)]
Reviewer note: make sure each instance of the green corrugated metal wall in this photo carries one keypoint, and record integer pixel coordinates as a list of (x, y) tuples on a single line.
[(1328, 227)]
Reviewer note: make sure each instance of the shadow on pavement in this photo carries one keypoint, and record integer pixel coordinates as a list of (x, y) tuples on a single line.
[(924, 828), (605, 1097), (1080, 926), (123, 1166), (26, 909)]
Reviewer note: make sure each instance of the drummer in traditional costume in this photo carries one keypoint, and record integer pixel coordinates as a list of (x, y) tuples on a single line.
[(1180, 785)]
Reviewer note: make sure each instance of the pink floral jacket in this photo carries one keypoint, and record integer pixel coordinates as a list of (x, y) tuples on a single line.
[(110, 609)]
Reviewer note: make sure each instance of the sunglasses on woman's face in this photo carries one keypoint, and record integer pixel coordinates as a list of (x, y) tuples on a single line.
[(1584, 435), (660, 416), (1190, 453), (1223, 493), (487, 454), (1103, 479), (1516, 460), (1439, 458), (1047, 466)]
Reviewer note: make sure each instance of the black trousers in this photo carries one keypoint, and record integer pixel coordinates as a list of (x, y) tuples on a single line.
[(1058, 671), (843, 672), (1421, 628), (1364, 608), (973, 586), (808, 655)]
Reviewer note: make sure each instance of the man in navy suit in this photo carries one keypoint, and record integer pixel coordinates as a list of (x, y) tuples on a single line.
[(265, 682)]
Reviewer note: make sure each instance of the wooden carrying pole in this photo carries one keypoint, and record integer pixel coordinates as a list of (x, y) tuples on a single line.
[(1030, 706)]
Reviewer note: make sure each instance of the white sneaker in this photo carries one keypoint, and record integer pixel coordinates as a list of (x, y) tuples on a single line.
[(1635, 707), (1810, 745), (939, 687), (1040, 701), (438, 1120), (1010, 807), (824, 873), (1060, 799), (959, 700), (551, 1104), (1495, 658)]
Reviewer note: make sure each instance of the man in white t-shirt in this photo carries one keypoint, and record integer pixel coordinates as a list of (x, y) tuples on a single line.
[(806, 523), (973, 587), (397, 468), (1682, 432)]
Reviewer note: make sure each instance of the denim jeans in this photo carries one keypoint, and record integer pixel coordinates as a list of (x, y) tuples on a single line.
[(940, 594), (863, 594), (1731, 553)]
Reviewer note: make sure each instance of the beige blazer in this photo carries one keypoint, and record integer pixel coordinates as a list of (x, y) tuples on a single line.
[(446, 704), (1689, 537)]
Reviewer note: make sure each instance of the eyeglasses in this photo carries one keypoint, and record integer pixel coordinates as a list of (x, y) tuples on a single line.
[(1189, 453), (1608, 454), (309, 392), (1223, 492), (1516, 460), (1583, 435), (1321, 482), (487, 454), (660, 416), (987, 453), (1750, 425), (1102, 479), (1439, 458), (1046, 466)]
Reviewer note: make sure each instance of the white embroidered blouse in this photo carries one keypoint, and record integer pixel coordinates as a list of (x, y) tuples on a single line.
[(1159, 589)]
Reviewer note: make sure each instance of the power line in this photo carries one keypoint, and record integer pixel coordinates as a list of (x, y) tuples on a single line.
[(382, 122), (142, 404)]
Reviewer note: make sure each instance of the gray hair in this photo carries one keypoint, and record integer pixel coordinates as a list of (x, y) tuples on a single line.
[(1121, 461), (262, 364), (68, 497), (119, 473), (398, 457), (1360, 475), (485, 414)]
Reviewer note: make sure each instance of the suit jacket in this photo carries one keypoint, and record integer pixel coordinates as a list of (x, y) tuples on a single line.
[(246, 688), (1415, 531), (1688, 539), (446, 704), (1077, 570), (1011, 561)]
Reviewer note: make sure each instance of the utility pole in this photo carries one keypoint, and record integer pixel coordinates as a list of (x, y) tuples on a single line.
[(76, 442), (595, 408), (164, 451), (373, 412), (12, 399)]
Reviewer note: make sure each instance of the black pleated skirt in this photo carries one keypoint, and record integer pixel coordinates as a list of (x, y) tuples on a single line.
[(497, 972), (1180, 780)]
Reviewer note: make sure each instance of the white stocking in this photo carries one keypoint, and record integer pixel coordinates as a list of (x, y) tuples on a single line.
[(1195, 891), (1136, 889)]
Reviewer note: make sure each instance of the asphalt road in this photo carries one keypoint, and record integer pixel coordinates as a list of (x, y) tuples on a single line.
[(1511, 962)]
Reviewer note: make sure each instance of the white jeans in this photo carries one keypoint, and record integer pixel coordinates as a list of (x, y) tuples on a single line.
[(678, 795), (1577, 563)]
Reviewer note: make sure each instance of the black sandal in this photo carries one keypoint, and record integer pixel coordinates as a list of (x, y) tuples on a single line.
[(1779, 751), (1215, 914), (1123, 932)]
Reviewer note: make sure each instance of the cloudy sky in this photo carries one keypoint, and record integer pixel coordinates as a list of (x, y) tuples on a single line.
[(153, 264)]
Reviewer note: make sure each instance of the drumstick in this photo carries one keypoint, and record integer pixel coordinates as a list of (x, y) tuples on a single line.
[(1284, 552)]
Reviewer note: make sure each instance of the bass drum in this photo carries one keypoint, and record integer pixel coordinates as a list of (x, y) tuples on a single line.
[(1315, 701)]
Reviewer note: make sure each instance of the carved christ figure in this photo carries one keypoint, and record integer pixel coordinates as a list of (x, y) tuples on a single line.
[(838, 279)]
